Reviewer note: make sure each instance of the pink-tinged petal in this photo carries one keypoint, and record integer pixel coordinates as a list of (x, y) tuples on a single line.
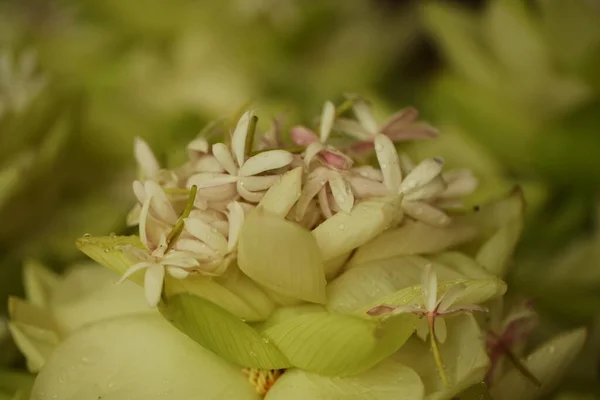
[(381, 310), (415, 132), (429, 287), (133, 269), (422, 174), (327, 119), (388, 162), (316, 180), (399, 120), (236, 220), (341, 191), (312, 150), (463, 309), (324, 203), (426, 213), (362, 147), (336, 160), (145, 157), (210, 179), (439, 329), (303, 136), (238, 140), (224, 157), (153, 283), (266, 161), (253, 197)]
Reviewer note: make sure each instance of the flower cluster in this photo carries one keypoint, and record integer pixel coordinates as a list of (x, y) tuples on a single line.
[(231, 178)]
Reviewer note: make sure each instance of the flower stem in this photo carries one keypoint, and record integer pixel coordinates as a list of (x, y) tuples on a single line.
[(178, 228), (437, 356), (345, 106), (250, 136)]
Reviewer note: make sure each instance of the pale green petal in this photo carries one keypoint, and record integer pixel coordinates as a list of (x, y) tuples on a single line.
[(87, 293), (36, 344), (284, 313), (39, 282), (281, 197), (234, 291), (345, 232), (461, 263), (389, 380), (547, 363), (463, 353), (108, 251), (337, 344), (222, 332), (415, 238), (137, 358), (281, 256)]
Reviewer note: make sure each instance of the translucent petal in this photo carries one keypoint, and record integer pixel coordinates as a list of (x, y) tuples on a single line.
[(132, 358), (153, 283), (449, 297), (422, 174), (145, 157), (226, 335), (548, 363), (341, 191), (327, 119), (336, 344), (281, 196), (414, 237), (345, 232), (35, 343), (389, 162), (463, 353), (399, 120), (224, 157), (352, 128), (210, 179), (282, 256), (160, 203), (303, 136), (266, 161), (238, 140), (388, 380), (206, 233), (426, 212)]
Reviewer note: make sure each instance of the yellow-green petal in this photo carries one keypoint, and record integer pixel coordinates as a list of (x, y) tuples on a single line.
[(281, 256), (413, 237), (39, 282), (137, 357), (281, 197), (345, 232), (336, 344), (222, 332), (547, 363), (108, 251), (389, 380)]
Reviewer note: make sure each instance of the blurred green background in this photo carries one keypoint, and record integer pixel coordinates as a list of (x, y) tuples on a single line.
[(513, 85)]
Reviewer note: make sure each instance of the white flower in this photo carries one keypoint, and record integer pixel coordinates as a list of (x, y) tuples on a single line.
[(242, 174)]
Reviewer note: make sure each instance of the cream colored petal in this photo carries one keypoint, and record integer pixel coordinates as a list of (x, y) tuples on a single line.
[(195, 246), (368, 172), (259, 183), (324, 202), (422, 174), (364, 188), (153, 283), (238, 140), (364, 116), (449, 297), (312, 150), (133, 269), (182, 259), (199, 145), (139, 191), (236, 220), (353, 128), (133, 216), (426, 212), (316, 180), (252, 197), (207, 234), (145, 157), (266, 161), (178, 273), (207, 164), (216, 196), (388, 162), (144, 214), (327, 119), (341, 191), (160, 203), (224, 157), (460, 182), (282, 195), (429, 287), (210, 179), (428, 191)]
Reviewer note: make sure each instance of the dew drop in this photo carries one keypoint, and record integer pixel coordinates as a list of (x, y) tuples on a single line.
[(384, 166), (378, 147), (341, 227)]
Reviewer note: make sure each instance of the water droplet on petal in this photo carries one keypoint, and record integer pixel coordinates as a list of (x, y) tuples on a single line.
[(341, 227)]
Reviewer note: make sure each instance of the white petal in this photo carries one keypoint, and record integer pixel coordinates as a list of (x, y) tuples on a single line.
[(199, 145), (460, 182), (327, 119), (182, 259), (259, 183), (160, 203), (341, 190), (153, 283), (324, 203), (133, 216), (207, 234), (139, 191), (195, 246), (353, 128), (266, 161), (178, 273), (364, 116), (389, 162), (133, 269), (316, 180), (449, 297), (144, 214), (238, 140), (252, 197), (207, 164), (363, 187), (427, 191), (369, 172), (426, 212), (236, 220), (422, 174), (210, 179), (145, 158), (224, 157), (439, 327), (312, 150), (429, 287)]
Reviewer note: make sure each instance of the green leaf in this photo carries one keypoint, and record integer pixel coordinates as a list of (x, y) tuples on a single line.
[(108, 251), (548, 363), (39, 282), (12, 381), (137, 356), (335, 344), (281, 256), (281, 197), (222, 332), (414, 238), (343, 232), (234, 291), (464, 265), (389, 380), (463, 353)]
